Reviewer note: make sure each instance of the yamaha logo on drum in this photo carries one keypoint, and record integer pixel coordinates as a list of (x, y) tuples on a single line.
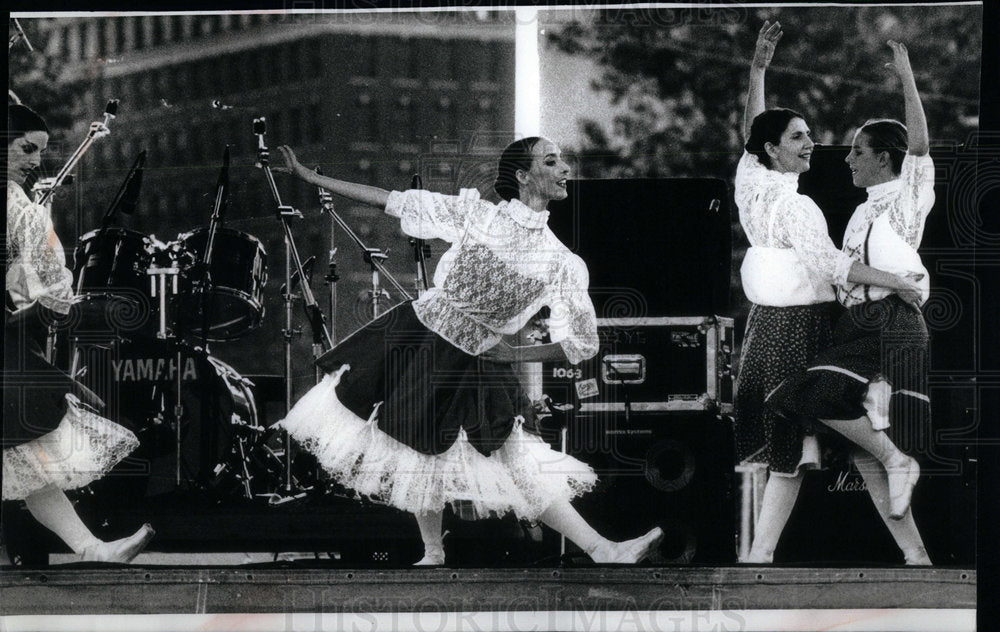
[(155, 369)]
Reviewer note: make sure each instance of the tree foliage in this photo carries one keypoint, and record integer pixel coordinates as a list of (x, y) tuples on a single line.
[(679, 78)]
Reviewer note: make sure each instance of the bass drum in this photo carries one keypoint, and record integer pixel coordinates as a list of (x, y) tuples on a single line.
[(140, 381)]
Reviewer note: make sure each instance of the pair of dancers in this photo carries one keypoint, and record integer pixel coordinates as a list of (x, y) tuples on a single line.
[(865, 378)]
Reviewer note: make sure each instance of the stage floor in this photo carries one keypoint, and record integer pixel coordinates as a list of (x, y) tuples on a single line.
[(318, 587)]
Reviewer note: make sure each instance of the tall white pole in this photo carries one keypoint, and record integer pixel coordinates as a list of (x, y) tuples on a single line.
[(527, 75)]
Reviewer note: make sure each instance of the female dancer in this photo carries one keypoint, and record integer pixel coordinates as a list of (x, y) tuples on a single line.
[(421, 407), (787, 274), (51, 441), (874, 377)]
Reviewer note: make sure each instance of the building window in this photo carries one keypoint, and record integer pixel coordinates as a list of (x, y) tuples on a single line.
[(316, 122), (121, 38), (139, 33), (176, 28), (102, 41), (296, 61), (366, 117), (316, 61), (157, 30), (295, 125)]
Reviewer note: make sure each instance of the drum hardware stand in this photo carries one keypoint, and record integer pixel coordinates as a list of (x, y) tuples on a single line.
[(320, 334), (331, 277), (421, 249), (372, 256), (43, 189), (158, 274), (203, 282)]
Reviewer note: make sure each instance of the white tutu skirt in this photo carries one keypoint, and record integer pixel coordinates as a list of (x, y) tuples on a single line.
[(524, 475), (81, 449)]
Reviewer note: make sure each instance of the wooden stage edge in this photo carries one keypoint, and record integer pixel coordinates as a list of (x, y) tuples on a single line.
[(80, 589)]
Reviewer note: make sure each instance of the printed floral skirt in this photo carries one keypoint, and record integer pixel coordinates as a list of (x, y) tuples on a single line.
[(779, 342)]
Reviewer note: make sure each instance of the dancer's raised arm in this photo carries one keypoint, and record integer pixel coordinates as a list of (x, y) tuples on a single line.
[(916, 122), (767, 38), (353, 190)]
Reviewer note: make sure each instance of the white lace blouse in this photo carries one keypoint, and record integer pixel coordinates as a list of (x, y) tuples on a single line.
[(886, 229), (792, 260), (36, 269), (504, 264)]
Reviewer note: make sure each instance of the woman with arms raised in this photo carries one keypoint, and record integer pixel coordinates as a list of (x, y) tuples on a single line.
[(873, 380), (788, 275)]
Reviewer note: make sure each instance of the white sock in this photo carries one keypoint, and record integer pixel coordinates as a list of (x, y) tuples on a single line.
[(779, 499), (562, 517), (54, 511), (874, 442), (430, 531)]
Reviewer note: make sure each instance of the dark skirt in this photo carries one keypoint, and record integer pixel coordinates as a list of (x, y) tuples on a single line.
[(423, 389), (779, 341), (34, 391), (884, 339)]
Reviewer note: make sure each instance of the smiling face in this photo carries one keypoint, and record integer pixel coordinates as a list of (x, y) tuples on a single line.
[(793, 152), (24, 155), (546, 179), (868, 167)]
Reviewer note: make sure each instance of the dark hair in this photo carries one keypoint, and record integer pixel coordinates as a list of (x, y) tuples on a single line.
[(767, 127), (516, 156), (887, 135), (20, 120)]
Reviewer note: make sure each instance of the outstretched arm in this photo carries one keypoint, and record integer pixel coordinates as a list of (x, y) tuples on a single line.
[(767, 38), (358, 192), (916, 123)]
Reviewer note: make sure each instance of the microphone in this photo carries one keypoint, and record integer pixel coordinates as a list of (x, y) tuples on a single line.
[(259, 129)]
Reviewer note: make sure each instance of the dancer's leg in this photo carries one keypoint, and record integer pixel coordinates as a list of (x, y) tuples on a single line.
[(779, 499), (430, 533), (562, 517), (55, 512), (904, 531), (902, 471)]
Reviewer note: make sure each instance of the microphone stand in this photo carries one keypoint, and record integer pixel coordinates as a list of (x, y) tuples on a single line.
[(421, 250), (331, 277), (372, 256), (315, 315), (203, 284), (97, 130)]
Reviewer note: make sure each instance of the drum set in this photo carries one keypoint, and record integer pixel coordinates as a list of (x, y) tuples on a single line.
[(146, 311), (145, 314)]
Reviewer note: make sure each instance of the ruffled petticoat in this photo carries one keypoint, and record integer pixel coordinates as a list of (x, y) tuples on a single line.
[(81, 449), (524, 475)]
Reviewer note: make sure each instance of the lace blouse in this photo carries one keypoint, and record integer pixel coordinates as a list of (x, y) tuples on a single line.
[(36, 268), (791, 229), (886, 229), (504, 264)]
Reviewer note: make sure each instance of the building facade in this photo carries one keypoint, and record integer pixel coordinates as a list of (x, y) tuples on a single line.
[(368, 97)]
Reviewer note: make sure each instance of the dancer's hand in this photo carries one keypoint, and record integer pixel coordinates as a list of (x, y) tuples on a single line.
[(501, 352), (767, 39), (900, 60), (909, 290), (292, 164)]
